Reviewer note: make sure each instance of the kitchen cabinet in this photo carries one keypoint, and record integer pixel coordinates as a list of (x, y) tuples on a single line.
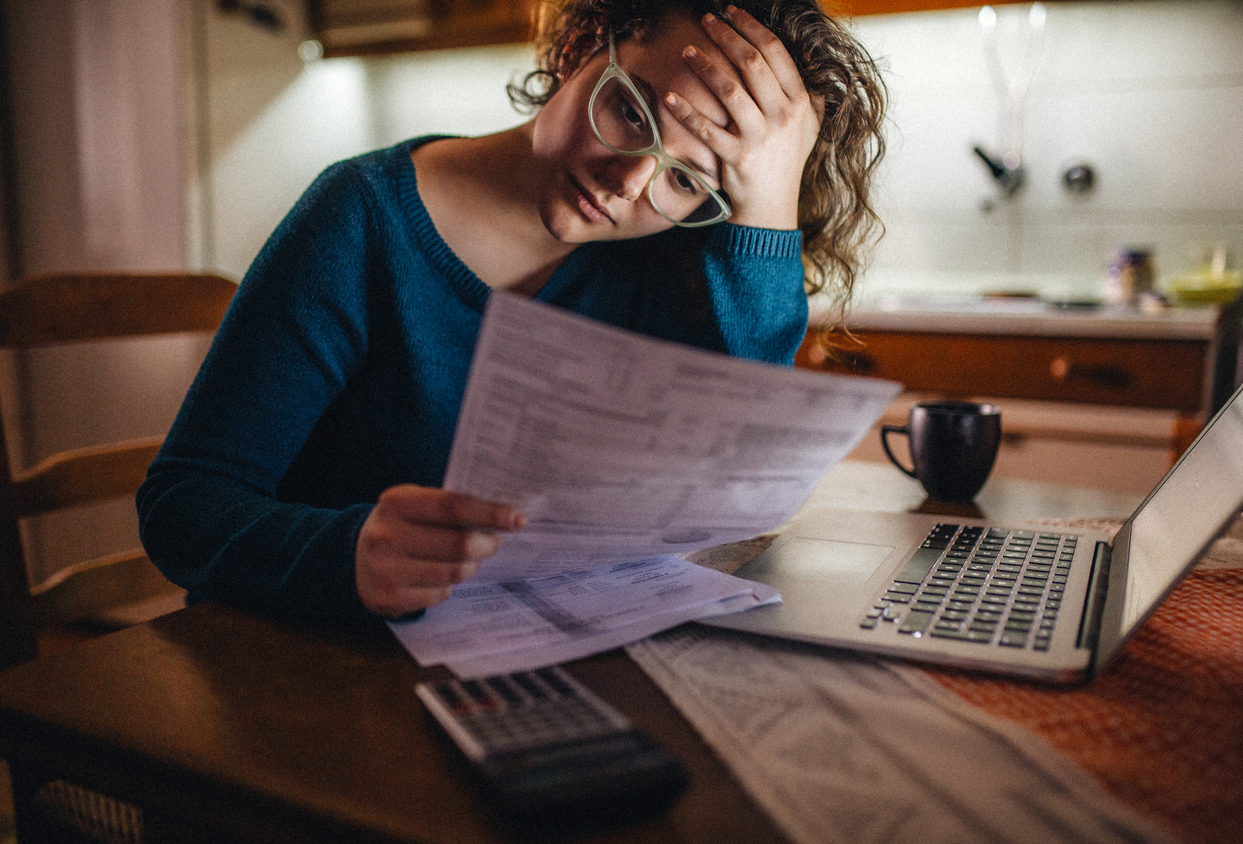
[(1182, 360), (362, 27)]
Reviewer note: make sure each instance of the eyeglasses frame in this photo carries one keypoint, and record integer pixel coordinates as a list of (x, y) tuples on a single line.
[(664, 161)]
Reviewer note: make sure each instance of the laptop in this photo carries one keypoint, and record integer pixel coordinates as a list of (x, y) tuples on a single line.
[(1021, 600)]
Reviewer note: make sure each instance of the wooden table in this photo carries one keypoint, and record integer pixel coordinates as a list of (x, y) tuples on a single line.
[(223, 726)]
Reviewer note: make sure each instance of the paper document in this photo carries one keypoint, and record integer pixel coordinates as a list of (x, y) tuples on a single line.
[(622, 451), (500, 627), (618, 446)]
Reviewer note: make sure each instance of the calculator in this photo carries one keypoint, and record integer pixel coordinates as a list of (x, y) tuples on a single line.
[(544, 748)]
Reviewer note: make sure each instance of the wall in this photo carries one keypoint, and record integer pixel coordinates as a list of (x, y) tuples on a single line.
[(275, 121), (1149, 93)]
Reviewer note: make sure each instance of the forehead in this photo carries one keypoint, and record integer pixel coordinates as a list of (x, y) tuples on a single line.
[(658, 60)]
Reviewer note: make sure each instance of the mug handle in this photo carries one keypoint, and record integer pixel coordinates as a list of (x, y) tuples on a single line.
[(885, 431)]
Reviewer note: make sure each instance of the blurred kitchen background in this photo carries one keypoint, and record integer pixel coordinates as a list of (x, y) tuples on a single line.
[(164, 134)]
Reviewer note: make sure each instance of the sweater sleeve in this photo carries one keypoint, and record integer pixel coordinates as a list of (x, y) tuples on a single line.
[(209, 515), (754, 280)]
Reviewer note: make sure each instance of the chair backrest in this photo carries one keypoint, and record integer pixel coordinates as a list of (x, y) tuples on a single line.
[(53, 310)]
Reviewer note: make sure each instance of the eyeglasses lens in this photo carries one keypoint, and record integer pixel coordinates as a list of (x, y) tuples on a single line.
[(621, 122), (620, 119)]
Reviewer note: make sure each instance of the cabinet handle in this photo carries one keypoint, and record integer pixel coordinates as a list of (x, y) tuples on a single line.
[(1101, 374)]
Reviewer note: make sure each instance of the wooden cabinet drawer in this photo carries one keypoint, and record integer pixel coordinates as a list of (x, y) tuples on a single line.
[(1165, 374)]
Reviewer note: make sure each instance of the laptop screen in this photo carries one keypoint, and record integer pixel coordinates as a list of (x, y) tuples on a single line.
[(1194, 502)]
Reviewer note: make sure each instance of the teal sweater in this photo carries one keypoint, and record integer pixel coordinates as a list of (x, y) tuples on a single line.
[(340, 366)]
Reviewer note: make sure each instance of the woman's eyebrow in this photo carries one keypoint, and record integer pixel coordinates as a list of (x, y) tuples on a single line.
[(646, 89), (649, 95)]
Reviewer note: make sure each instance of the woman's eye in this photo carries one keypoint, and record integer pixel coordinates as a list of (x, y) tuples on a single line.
[(685, 183), (632, 115)]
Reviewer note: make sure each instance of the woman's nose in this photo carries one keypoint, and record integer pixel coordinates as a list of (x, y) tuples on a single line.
[(627, 175)]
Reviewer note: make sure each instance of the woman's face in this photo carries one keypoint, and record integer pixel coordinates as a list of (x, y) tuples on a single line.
[(591, 193)]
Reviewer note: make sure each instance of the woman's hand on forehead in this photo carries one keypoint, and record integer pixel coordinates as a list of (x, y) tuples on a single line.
[(774, 121)]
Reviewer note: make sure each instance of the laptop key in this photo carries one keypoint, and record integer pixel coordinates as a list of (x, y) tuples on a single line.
[(916, 622), (918, 566), (1014, 639), (977, 636)]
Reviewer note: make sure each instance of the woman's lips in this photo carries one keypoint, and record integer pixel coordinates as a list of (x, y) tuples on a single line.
[(588, 205)]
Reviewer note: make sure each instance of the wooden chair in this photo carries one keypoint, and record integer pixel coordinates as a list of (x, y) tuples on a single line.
[(59, 309)]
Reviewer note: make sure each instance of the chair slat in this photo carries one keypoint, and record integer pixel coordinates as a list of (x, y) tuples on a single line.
[(43, 310), (88, 587), (84, 475)]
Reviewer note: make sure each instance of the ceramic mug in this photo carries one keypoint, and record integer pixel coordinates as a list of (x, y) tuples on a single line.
[(953, 446)]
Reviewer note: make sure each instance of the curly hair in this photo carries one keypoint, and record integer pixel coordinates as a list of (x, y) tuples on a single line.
[(835, 213)]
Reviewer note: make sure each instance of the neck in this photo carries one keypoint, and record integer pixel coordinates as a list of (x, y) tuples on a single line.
[(485, 203)]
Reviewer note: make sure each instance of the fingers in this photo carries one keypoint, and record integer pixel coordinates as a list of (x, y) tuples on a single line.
[(418, 542), (763, 71), (767, 56), (717, 138), (724, 81), (429, 506)]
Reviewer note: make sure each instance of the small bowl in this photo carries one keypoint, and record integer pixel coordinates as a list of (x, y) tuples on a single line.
[(1204, 288)]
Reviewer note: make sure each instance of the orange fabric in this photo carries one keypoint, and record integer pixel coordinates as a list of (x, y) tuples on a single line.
[(1163, 728)]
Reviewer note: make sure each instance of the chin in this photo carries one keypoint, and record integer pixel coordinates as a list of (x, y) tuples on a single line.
[(567, 225), (562, 229)]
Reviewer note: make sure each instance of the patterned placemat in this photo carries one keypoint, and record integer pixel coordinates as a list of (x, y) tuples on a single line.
[(1162, 729)]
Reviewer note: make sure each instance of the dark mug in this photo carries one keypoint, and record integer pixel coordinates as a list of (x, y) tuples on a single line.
[(953, 446)]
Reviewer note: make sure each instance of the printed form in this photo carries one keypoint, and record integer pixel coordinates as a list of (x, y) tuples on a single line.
[(622, 448)]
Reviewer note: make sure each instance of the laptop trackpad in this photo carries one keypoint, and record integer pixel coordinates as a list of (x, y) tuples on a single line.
[(827, 559)]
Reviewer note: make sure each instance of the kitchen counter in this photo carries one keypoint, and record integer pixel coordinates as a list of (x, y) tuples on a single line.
[(969, 345), (1031, 317)]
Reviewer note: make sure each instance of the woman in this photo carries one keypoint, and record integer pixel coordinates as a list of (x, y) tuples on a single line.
[(684, 162)]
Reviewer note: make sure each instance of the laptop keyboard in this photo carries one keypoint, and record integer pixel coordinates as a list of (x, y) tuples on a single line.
[(983, 585)]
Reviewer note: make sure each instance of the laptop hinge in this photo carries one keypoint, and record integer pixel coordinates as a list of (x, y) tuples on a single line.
[(1094, 605)]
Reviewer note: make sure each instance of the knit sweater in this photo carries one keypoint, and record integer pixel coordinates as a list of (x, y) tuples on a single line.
[(340, 366)]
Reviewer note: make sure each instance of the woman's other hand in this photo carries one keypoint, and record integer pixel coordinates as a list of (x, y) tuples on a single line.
[(774, 121), (420, 541)]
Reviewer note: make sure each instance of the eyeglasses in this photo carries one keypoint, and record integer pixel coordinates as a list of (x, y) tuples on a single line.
[(623, 122)]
